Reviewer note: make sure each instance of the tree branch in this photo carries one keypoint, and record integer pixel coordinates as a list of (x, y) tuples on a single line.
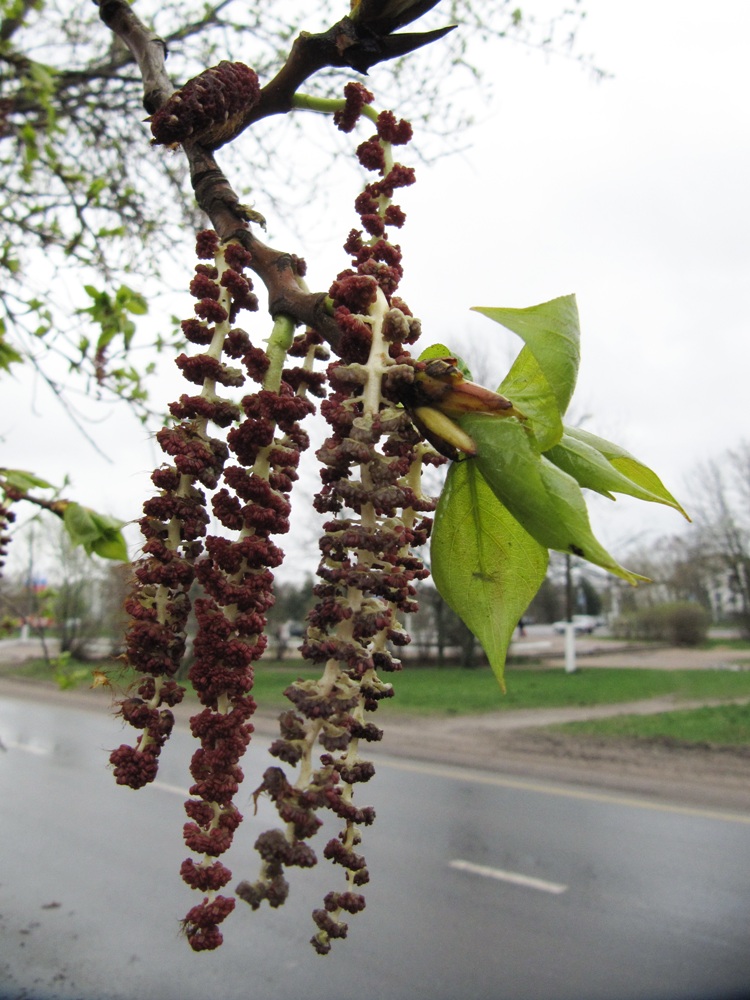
[(148, 50), (349, 42), (10, 25), (214, 194)]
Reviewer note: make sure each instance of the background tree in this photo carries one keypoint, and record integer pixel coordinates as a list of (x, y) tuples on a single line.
[(548, 604), (680, 568), (588, 587), (88, 597), (437, 632), (709, 566), (722, 501), (60, 592), (76, 202), (26, 598)]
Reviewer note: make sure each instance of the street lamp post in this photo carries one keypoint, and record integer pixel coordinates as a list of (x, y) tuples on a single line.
[(570, 632)]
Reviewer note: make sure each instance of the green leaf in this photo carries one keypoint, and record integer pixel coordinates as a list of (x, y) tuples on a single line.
[(592, 471), (527, 388), (634, 471), (546, 501), (441, 351), (19, 479), (134, 302), (111, 314), (104, 522), (44, 78), (95, 532), (111, 546), (97, 185), (80, 525), (551, 332), (67, 679), (485, 566), (8, 355)]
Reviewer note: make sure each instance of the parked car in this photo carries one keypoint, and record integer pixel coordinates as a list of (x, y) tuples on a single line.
[(582, 624)]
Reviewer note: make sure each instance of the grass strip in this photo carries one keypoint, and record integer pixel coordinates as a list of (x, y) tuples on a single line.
[(453, 691), (721, 725), (743, 645)]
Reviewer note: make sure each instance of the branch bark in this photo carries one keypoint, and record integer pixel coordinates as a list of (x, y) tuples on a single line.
[(147, 48), (347, 43), (214, 194)]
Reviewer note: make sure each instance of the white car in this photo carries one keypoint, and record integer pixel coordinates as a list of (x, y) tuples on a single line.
[(582, 624)]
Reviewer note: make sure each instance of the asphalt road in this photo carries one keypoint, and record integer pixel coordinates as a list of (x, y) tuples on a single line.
[(483, 887)]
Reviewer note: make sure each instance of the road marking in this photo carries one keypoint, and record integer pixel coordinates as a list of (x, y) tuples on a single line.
[(26, 747), (515, 878), (609, 798)]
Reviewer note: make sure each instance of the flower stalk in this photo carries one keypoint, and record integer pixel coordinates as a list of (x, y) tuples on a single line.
[(236, 578), (371, 492), (371, 484)]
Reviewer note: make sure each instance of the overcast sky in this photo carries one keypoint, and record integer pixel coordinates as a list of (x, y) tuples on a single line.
[(631, 192)]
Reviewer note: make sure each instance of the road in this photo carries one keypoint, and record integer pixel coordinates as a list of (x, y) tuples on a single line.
[(484, 887)]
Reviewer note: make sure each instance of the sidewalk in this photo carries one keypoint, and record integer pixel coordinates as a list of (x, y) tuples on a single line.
[(18, 650), (592, 651)]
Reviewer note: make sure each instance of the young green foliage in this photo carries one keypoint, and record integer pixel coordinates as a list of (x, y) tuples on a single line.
[(8, 354), (551, 333), (484, 563), (598, 461), (545, 500), (518, 491), (111, 314), (96, 533)]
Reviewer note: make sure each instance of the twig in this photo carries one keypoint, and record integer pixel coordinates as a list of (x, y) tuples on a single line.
[(346, 43)]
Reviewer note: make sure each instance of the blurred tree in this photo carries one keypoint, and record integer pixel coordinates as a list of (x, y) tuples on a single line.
[(548, 604), (680, 569), (286, 617), (78, 586), (711, 565), (61, 592), (590, 598), (438, 633), (293, 601), (721, 499)]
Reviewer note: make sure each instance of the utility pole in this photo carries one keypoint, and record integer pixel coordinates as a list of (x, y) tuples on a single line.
[(570, 632)]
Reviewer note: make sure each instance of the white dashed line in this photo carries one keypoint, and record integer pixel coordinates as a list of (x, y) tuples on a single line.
[(515, 878)]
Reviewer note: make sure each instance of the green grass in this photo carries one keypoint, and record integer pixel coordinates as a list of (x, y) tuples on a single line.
[(741, 644), (40, 670), (270, 680), (452, 691), (723, 725)]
